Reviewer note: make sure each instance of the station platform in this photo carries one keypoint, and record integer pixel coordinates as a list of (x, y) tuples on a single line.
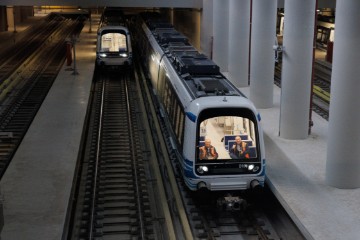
[(296, 175), (37, 184)]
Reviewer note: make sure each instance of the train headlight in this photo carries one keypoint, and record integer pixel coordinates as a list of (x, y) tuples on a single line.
[(203, 169), (251, 167), (123, 54), (102, 54)]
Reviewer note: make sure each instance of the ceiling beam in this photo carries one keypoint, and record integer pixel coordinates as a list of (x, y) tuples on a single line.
[(114, 3)]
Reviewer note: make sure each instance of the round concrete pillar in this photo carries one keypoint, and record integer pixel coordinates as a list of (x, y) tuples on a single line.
[(221, 34), (171, 15), (3, 19), (206, 28), (239, 37), (263, 36), (297, 68), (343, 152)]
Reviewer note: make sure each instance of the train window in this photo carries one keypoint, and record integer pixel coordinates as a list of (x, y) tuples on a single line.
[(161, 81), (173, 108), (231, 136), (167, 100), (113, 42), (165, 94), (177, 120), (181, 127)]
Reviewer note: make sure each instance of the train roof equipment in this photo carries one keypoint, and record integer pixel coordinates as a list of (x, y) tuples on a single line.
[(199, 73)]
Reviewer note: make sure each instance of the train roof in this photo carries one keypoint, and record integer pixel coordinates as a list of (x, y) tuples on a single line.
[(199, 73)]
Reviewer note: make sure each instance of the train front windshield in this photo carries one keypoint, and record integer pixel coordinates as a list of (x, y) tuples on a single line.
[(231, 139), (113, 42)]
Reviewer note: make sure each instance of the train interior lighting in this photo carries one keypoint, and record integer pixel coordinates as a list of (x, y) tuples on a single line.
[(113, 42)]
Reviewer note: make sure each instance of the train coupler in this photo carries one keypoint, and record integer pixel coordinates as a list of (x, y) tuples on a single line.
[(231, 203)]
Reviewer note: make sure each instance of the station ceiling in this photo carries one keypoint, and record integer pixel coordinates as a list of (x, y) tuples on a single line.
[(115, 3), (133, 3)]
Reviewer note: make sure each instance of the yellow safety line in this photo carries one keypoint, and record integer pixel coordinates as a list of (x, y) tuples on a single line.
[(318, 91)]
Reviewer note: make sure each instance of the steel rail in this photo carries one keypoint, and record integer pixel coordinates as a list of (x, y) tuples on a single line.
[(97, 159), (133, 155)]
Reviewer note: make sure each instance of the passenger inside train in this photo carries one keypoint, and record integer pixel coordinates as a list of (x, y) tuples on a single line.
[(239, 149), (208, 151), (230, 137)]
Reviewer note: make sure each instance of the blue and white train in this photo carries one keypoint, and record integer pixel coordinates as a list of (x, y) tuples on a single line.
[(113, 48), (201, 106)]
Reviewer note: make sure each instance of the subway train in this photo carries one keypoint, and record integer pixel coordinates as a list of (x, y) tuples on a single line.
[(214, 129), (113, 48)]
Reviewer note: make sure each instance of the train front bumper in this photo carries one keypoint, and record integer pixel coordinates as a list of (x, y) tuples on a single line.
[(225, 183)]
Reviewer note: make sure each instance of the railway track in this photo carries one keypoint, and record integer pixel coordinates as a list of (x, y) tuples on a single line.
[(208, 221), (116, 196), (322, 88), (24, 88), (18, 54)]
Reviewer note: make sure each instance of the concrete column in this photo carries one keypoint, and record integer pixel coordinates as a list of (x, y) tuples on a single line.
[(26, 12), (206, 28), (343, 151), (262, 60), (168, 14), (221, 34), (188, 23), (239, 37), (171, 15), (297, 68), (3, 19), (10, 18), (196, 16)]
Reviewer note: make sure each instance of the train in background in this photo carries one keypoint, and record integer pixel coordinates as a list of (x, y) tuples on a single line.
[(198, 105), (113, 48)]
